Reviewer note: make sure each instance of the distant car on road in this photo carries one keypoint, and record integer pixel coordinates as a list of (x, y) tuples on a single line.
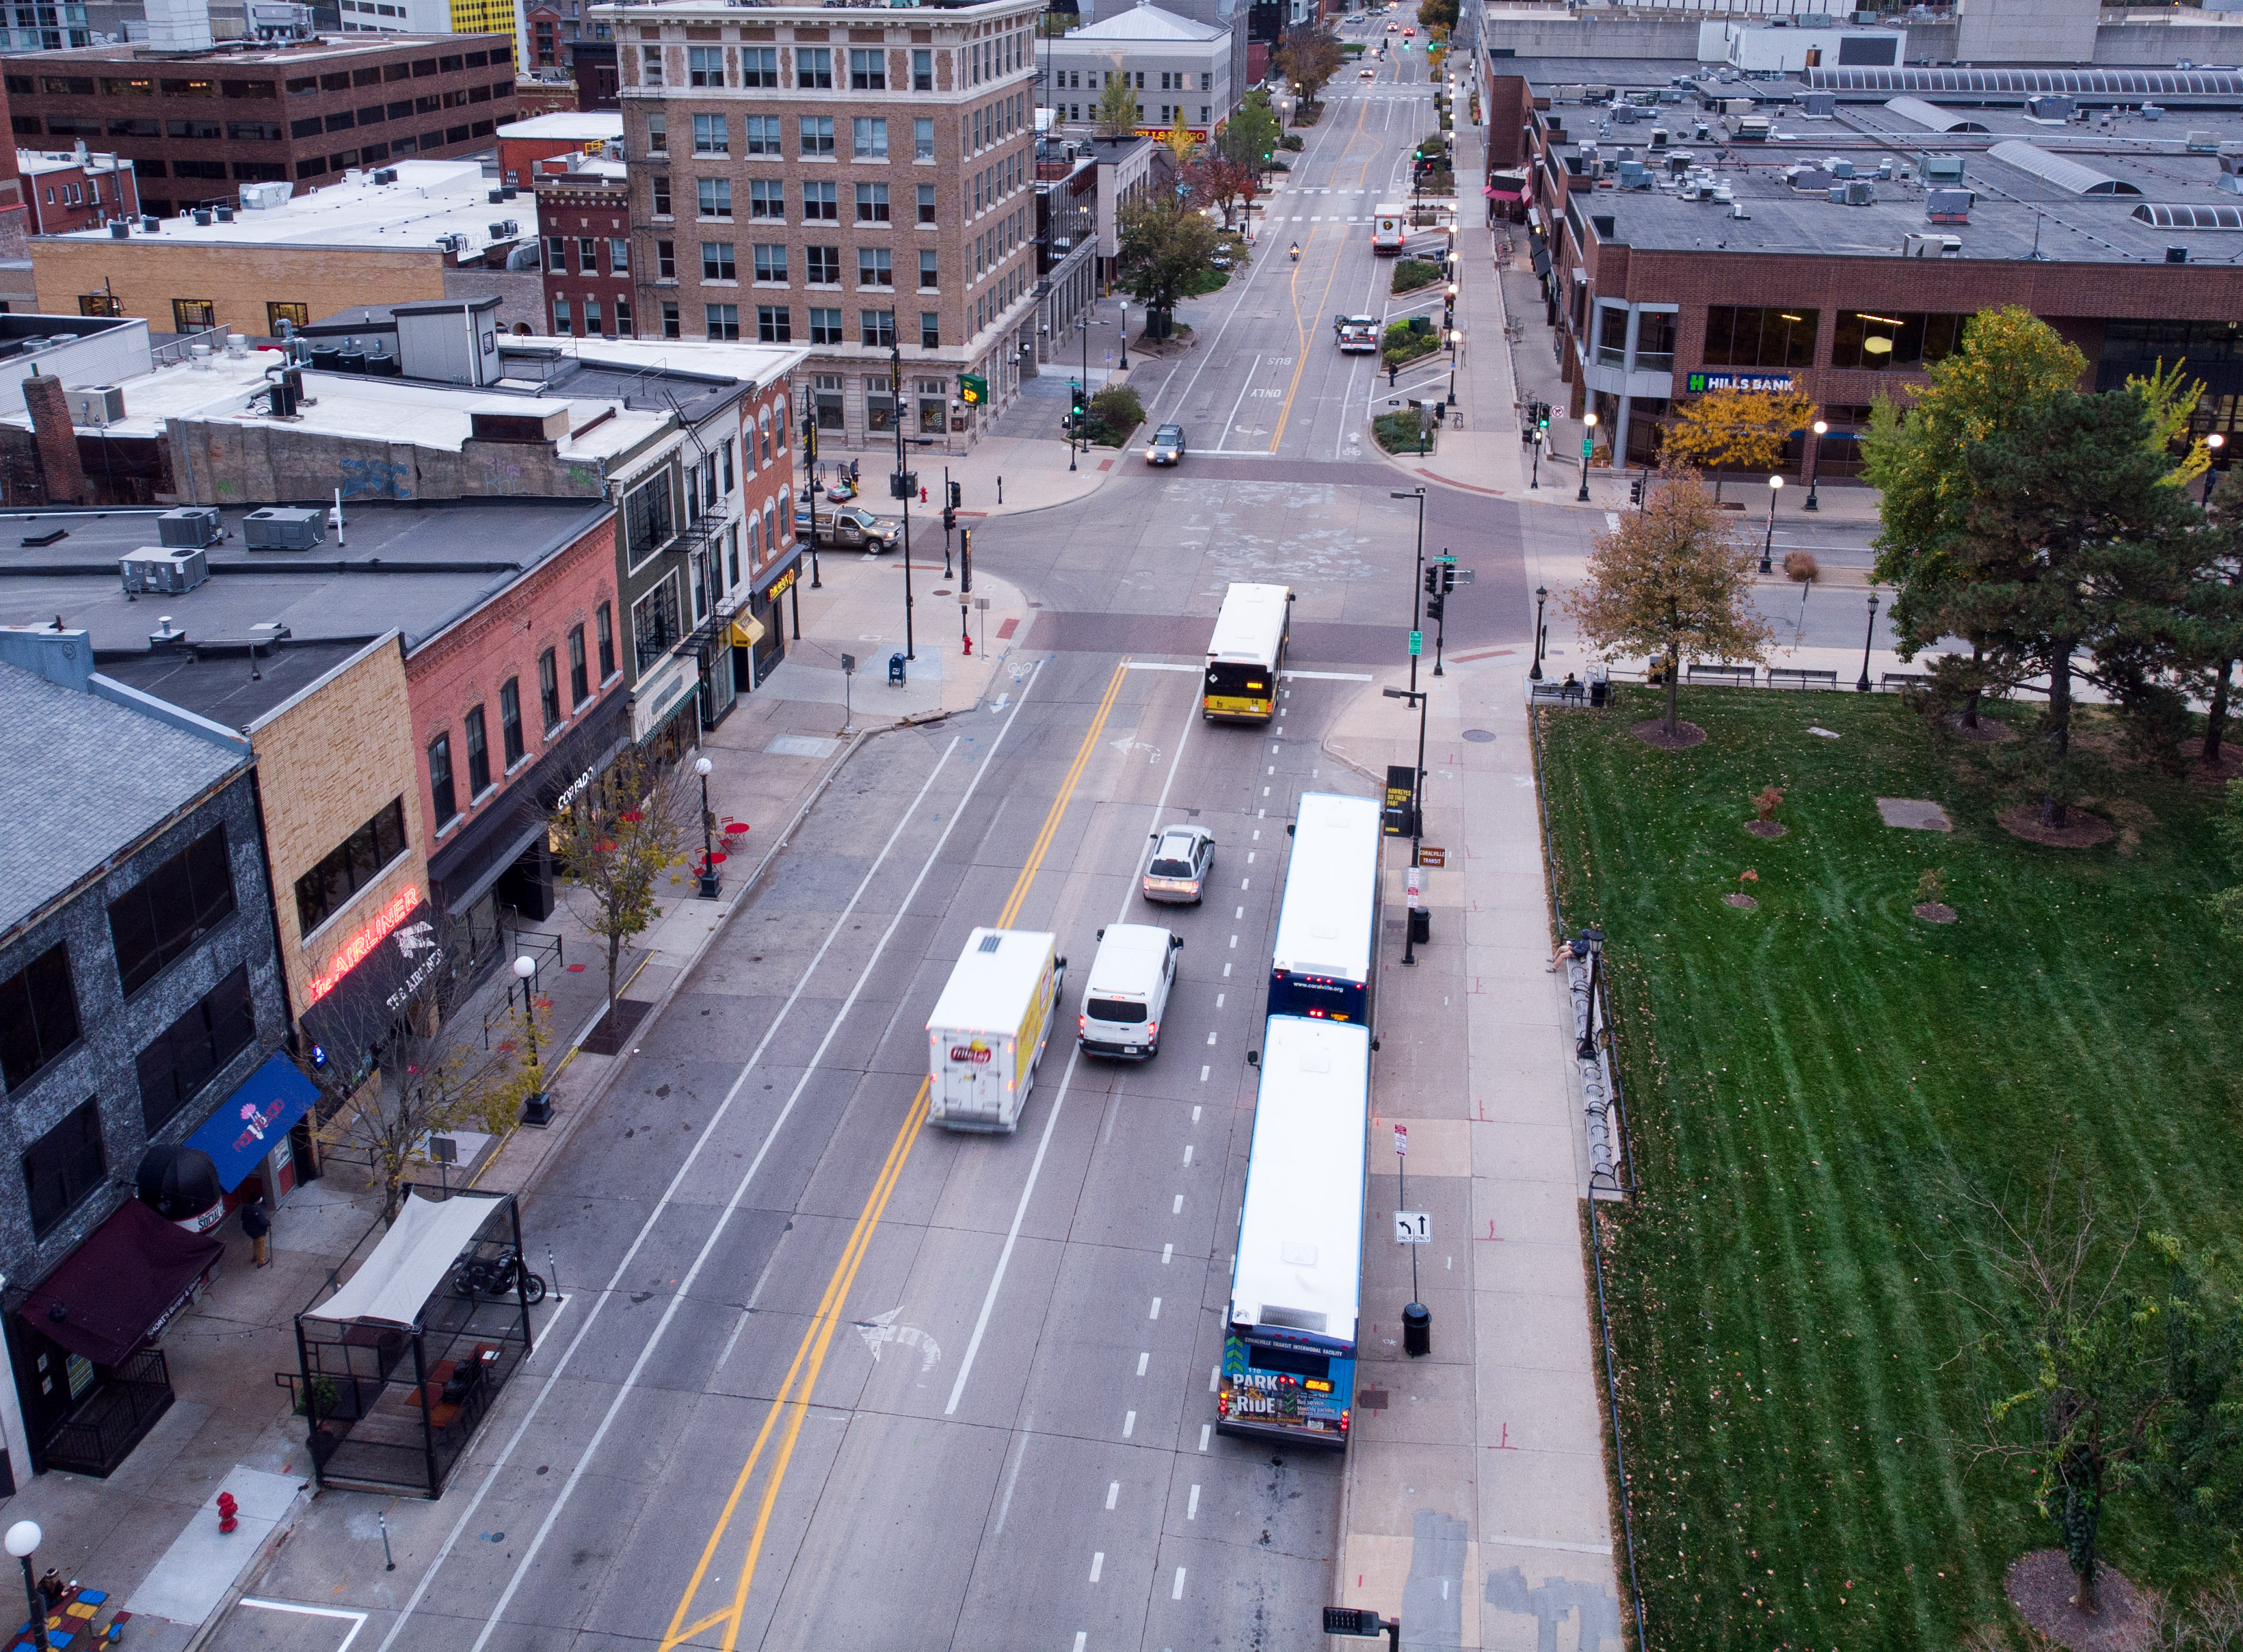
[(1167, 445), (1407, 32), (1366, 74), (1183, 856), (1358, 334), (1393, 27)]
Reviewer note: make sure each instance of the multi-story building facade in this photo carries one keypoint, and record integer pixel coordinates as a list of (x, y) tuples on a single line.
[(856, 181), (76, 190), (584, 206), (1178, 69), (197, 126)]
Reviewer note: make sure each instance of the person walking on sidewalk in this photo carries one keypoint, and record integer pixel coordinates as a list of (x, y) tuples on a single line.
[(258, 1227)]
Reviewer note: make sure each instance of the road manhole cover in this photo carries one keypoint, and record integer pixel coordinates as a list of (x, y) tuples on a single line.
[(1480, 736)]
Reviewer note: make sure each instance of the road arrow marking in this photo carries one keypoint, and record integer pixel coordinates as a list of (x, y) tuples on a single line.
[(883, 1328)]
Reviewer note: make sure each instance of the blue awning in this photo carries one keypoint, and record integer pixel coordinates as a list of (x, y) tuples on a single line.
[(255, 1119)]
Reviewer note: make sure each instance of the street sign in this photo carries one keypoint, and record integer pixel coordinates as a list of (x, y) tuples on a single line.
[(1401, 1140), (1429, 856), (1463, 575), (848, 664), (1417, 644), (1353, 1620), (1401, 799), (1413, 1227), (1587, 447)]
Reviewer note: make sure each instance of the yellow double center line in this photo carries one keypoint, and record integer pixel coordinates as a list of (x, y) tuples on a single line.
[(794, 1394), (1301, 322)]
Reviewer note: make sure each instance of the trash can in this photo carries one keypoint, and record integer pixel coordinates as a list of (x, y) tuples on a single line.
[(1416, 1331), (1600, 692), (1421, 926)]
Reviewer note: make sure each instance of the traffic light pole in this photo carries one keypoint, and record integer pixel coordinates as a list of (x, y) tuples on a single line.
[(1441, 623), (949, 520), (1418, 579)]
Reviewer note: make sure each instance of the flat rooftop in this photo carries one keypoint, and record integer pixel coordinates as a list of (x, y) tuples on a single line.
[(586, 125), (102, 778), (409, 568), (2118, 189), (276, 55), (429, 199)]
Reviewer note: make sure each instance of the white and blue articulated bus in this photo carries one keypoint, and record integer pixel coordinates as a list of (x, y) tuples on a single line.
[(1328, 923), (1289, 1352)]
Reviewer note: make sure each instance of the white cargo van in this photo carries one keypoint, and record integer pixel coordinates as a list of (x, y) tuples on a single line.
[(989, 1028), (1127, 991)]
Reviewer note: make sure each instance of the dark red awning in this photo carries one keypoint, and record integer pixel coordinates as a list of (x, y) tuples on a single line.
[(119, 1284)]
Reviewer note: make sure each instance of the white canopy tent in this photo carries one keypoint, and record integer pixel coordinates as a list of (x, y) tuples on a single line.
[(413, 1261)]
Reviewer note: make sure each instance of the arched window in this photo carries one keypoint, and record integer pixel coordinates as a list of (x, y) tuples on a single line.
[(764, 425)]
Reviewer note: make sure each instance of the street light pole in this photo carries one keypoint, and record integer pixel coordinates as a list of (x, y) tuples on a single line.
[(895, 394), (2215, 442), (1767, 545), (1862, 686), (1541, 596), (709, 882), (1814, 462), (1418, 580), (23, 1539), (1589, 442), (1419, 700), (1125, 335)]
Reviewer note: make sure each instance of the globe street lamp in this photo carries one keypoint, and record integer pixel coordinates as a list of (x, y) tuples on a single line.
[(1814, 462), (535, 1110), (1125, 335), (1862, 686), (2215, 442), (1767, 545), (1588, 441), (23, 1541), (1541, 596), (709, 882)]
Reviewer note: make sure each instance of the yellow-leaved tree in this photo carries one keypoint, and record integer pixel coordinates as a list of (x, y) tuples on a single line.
[(1674, 579), (1743, 429)]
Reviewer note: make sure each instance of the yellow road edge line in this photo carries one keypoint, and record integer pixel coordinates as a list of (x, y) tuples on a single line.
[(1300, 329), (837, 1286)]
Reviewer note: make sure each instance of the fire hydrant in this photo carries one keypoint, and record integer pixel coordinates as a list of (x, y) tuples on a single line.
[(922, 496), (229, 1512)]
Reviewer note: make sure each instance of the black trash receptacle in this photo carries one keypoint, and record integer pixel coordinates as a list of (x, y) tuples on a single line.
[(1421, 925), (1600, 692), (1416, 1331)]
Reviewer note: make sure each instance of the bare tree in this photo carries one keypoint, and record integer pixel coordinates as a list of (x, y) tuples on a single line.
[(618, 842)]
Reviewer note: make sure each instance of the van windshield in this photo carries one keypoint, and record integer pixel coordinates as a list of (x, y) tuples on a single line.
[(1115, 1009)]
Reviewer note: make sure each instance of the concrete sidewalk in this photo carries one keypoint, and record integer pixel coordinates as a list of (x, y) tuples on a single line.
[(1476, 1507)]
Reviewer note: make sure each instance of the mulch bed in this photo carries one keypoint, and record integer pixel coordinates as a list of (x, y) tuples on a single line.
[(2080, 830), (2230, 758), (2040, 1586), (1934, 911), (1767, 828), (1655, 734), (616, 1027), (1991, 730), (1742, 903)]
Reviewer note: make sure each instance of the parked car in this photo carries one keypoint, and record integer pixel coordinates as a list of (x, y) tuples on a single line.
[(1183, 856), (849, 527), (1219, 260), (1167, 445)]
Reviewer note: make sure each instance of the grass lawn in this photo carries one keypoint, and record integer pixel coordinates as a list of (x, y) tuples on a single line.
[(1804, 1083)]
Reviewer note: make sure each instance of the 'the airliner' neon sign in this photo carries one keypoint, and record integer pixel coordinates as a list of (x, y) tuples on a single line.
[(354, 952)]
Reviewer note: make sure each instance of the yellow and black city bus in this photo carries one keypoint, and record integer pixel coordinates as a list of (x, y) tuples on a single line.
[(1246, 653)]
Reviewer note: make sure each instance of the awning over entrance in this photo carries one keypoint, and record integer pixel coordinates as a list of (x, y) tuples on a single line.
[(255, 1119), (413, 1261), (118, 1287)]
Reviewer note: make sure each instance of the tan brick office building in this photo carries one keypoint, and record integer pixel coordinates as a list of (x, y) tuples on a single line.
[(848, 179)]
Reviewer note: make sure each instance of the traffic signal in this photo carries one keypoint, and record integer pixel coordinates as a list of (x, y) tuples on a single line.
[(1076, 390), (1432, 581), (957, 494), (1543, 422), (949, 518), (1635, 491), (1448, 577), (1435, 606)]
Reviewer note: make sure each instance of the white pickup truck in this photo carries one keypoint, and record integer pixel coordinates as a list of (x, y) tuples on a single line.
[(1358, 334)]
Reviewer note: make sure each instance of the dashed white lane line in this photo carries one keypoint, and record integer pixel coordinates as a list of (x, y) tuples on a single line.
[(1082, 1638), (1177, 1592), (1113, 1493), (1194, 1114), (1214, 1378), (1128, 1425), (1188, 1153), (1206, 1433), (1203, 1075), (1191, 1507), (1210, 1038), (1236, 916), (1097, 1565), (1234, 940), (1226, 972), (1153, 1315), (1144, 1359), (1167, 1254), (1177, 1208)]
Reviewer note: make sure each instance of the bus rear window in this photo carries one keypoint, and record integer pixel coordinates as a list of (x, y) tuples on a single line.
[(1115, 1009), (1293, 1362), (1224, 677)]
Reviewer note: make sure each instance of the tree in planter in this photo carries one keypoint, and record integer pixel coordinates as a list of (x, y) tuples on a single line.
[(1166, 247), (434, 1075), (1745, 428), (1114, 411), (1673, 581), (1216, 179), (2075, 562), (617, 842), (1117, 106)]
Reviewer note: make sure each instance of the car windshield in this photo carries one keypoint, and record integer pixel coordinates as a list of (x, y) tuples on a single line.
[(1115, 1009), (1169, 867), (1170, 435)]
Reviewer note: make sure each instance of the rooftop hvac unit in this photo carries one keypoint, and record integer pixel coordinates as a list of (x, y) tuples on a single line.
[(2231, 174), (1930, 247), (1634, 175), (1838, 166), (1819, 105), (190, 527), (386, 175), (1854, 191), (96, 404), (170, 571), (2176, 255), (2152, 112), (2049, 106), (120, 231), (1943, 169), (2203, 142), (278, 527), (266, 197), (1947, 205)]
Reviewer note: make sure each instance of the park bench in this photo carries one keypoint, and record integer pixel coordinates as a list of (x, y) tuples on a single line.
[(1740, 675), (1575, 696), (1797, 677), (1903, 679)]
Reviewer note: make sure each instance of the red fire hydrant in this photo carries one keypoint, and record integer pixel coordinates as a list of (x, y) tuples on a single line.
[(922, 496), (229, 1512)]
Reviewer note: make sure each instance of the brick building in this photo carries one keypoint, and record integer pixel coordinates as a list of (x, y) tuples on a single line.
[(583, 210), (858, 182), (1833, 232), (198, 126), (75, 190), (522, 143)]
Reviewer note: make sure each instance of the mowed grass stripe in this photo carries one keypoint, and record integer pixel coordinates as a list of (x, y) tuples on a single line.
[(2079, 1005)]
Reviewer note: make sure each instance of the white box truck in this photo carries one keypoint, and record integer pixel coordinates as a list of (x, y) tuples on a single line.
[(989, 1028), (1390, 227)]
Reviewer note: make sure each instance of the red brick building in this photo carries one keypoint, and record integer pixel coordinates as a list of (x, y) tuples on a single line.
[(583, 214), (68, 192), (557, 133)]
